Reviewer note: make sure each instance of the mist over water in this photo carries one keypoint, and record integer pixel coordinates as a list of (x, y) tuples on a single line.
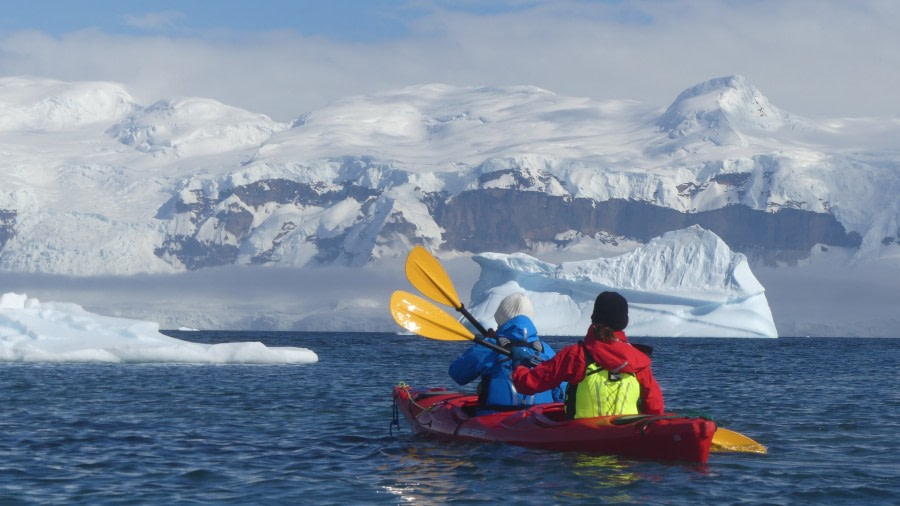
[(802, 300)]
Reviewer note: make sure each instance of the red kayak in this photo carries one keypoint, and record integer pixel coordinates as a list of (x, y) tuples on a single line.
[(451, 416)]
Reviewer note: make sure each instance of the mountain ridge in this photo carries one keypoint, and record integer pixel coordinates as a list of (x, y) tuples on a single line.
[(257, 152)]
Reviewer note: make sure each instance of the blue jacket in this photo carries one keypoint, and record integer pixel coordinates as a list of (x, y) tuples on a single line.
[(496, 391)]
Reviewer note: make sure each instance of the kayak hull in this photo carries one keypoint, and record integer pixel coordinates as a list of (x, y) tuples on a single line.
[(450, 416)]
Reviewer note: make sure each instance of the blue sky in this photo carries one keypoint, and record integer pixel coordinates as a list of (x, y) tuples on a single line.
[(819, 58), (344, 20), (348, 20)]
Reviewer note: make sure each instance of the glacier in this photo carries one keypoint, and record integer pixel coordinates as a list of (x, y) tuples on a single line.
[(35, 331), (186, 204), (686, 283)]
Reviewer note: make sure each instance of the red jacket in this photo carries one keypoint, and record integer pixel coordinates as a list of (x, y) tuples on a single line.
[(570, 365)]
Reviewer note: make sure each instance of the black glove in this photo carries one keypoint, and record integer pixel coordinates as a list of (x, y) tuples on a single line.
[(521, 356)]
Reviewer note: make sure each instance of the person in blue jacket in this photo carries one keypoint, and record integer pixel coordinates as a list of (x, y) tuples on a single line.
[(517, 333)]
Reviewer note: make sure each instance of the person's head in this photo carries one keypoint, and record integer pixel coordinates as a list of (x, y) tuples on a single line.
[(517, 304), (610, 314)]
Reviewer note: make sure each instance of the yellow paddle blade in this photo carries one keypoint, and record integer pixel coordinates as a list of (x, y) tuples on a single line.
[(725, 440), (417, 315), (428, 275)]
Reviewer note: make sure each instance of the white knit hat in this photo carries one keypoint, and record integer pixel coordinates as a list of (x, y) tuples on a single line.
[(513, 305)]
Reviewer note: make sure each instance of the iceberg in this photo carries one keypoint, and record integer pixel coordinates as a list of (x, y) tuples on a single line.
[(683, 283), (34, 331)]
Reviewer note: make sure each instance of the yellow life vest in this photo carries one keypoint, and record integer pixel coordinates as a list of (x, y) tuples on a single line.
[(602, 393)]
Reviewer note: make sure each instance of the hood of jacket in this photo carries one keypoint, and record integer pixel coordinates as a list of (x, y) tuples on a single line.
[(519, 328), (619, 356)]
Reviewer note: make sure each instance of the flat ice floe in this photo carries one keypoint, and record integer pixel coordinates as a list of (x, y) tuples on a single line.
[(34, 331)]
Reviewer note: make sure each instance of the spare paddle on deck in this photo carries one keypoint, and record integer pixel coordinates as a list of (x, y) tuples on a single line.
[(725, 440), (428, 275), (417, 315)]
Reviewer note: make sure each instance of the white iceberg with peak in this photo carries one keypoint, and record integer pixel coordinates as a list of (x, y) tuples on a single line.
[(683, 283)]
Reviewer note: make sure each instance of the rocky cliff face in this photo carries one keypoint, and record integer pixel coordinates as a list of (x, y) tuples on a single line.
[(7, 226), (216, 225), (222, 227), (268, 221), (508, 220)]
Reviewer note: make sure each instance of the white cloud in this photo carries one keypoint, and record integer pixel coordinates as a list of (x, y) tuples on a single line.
[(156, 20), (811, 57)]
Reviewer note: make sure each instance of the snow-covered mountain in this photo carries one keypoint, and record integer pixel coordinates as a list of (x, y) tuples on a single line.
[(93, 184)]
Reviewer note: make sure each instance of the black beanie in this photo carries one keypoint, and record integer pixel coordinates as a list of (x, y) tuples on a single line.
[(610, 309)]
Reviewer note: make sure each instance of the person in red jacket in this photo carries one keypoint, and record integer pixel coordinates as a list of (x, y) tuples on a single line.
[(606, 345)]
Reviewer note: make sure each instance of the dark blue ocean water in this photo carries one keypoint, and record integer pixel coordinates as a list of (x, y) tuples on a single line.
[(828, 410)]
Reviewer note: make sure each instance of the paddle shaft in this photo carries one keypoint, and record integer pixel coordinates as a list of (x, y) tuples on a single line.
[(499, 349), (478, 326), (643, 348)]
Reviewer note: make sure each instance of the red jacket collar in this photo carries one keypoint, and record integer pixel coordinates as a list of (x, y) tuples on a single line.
[(618, 355)]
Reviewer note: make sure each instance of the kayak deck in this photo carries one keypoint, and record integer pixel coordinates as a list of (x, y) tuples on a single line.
[(448, 415)]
